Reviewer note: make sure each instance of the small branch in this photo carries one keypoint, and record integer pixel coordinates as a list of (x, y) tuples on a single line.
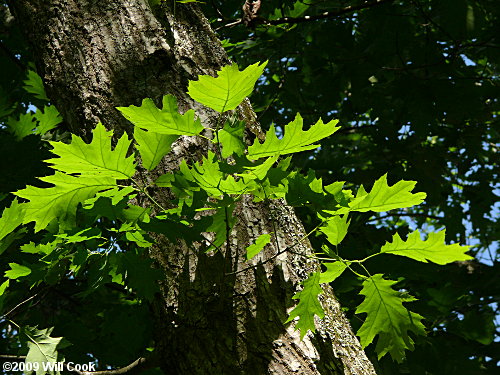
[(326, 15), (17, 306), (7, 357), (139, 365), (407, 214), (250, 17), (12, 57)]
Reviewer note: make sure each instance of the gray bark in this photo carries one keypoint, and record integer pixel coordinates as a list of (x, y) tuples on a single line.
[(97, 55)]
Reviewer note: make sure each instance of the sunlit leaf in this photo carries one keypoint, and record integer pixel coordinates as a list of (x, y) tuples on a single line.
[(228, 89), (383, 197), (387, 318), (95, 159), (294, 140), (433, 249), (152, 146), (259, 244), (308, 305), (167, 120)]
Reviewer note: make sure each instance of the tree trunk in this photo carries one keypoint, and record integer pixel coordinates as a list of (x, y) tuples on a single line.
[(96, 55)]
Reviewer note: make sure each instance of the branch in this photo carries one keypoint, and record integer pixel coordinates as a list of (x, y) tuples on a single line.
[(139, 365), (407, 214), (250, 17), (325, 15)]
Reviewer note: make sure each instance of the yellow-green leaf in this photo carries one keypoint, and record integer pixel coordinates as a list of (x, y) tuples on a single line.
[(383, 197), (152, 146), (96, 158), (335, 229), (167, 120), (294, 140), (387, 318), (259, 244), (60, 202), (333, 270), (11, 218), (226, 91), (433, 249), (16, 271), (308, 305)]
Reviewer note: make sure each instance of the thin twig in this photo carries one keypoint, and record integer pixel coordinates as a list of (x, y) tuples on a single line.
[(139, 365), (325, 15)]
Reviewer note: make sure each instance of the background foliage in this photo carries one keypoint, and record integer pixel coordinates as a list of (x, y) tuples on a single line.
[(415, 86)]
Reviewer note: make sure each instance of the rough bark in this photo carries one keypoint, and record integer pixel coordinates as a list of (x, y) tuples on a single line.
[(210, 319)]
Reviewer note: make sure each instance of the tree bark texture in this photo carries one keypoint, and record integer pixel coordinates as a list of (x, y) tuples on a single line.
[(96, 55)]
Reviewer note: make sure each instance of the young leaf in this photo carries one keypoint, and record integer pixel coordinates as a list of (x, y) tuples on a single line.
[(335, 229), (60, 201), (232, 139), (95, 158), (167, 120), (34, 85), (294, 140), (387, 317), (42, 349), (11, 218), (433, 249), (228, 90), (308, 305), (333, 270), (259, 244), (152, 146), (48, 119), (16, 271), (383, 197)]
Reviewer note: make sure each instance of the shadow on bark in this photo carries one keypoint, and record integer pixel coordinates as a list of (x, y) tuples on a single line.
[(215, 330)]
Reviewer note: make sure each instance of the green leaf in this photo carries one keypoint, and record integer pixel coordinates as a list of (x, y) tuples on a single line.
[(383, 197), (42, 348), (34, 85), (308, 305), (22, 127), (60, 202), (95, 159), (4, 287), (388, 318), (16, 271), (294, 140), (209, 177), (333, 270), (11, 218), (139, 274), (45, 249), (163, 121), (81, 236), (231, 138), (229, 89), (433, 249), (222, 220), (259, 171), (10, 238), (259, 244), (335, 229), (152, 146), (48, 119)]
